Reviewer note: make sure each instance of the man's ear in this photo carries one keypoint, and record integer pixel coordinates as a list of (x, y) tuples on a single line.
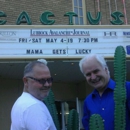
[(106, 70), (25, 81)]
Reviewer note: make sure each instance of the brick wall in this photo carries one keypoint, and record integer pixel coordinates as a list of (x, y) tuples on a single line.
[(127, 3), (35, 8), (92, 6)]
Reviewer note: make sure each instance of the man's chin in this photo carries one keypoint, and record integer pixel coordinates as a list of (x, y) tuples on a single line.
[(96, 86)]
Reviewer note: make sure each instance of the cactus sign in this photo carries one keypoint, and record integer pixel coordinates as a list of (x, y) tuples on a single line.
[(44, 18)]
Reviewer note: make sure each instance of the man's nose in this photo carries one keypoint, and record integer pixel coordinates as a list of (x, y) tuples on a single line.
[(46, 83), (93, 76)]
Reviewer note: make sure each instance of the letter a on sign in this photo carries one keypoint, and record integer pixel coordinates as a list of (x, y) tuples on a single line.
[(23, 18)]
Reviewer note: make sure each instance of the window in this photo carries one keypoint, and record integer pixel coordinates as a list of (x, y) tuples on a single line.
[(78, 9)]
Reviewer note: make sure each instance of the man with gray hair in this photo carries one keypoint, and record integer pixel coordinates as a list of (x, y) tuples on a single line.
[(29, 112), (101, 100)]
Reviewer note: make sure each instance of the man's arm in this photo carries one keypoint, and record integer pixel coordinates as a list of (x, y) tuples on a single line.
[(128, 94)]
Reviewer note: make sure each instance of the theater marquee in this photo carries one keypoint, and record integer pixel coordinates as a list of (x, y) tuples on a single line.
[(61, 42)]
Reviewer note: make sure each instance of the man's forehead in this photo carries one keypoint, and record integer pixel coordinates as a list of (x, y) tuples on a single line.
[(40, 66), (92, 64), (91, 60)]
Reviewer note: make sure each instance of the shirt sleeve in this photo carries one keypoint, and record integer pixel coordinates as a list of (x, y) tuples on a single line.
[(85, 119), (128, 94), (35, 118)]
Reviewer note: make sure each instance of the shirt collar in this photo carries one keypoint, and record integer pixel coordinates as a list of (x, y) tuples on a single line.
[(110, 85)]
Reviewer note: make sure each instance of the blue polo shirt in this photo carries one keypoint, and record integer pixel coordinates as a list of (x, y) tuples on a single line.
[(104, 106)]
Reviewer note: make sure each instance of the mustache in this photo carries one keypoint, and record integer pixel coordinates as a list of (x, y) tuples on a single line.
[(45, 88)]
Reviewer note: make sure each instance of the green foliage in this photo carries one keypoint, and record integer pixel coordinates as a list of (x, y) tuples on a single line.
[(50, 103), (73, 120), (120, 90), (96, 122)]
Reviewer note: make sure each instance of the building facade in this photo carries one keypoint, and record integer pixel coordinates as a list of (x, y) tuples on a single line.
[(69, 87)]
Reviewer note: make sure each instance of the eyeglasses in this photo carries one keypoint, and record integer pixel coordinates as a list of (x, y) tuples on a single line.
[(42, 81)]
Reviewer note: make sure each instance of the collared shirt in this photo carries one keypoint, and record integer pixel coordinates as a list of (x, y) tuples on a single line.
[(29, 113), (105, 106)]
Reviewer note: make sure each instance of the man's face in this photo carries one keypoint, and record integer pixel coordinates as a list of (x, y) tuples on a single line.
[(96, 75), (35, 88)]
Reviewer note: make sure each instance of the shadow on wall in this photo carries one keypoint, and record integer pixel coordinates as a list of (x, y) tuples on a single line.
[(9, 92)]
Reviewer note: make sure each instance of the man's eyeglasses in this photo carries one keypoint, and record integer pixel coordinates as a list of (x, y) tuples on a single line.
[(42, 81)]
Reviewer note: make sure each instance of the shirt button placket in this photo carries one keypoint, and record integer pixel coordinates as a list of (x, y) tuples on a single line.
[(103, 109)]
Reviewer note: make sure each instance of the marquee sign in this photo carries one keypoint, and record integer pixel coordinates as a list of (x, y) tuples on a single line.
[(61, 42)]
